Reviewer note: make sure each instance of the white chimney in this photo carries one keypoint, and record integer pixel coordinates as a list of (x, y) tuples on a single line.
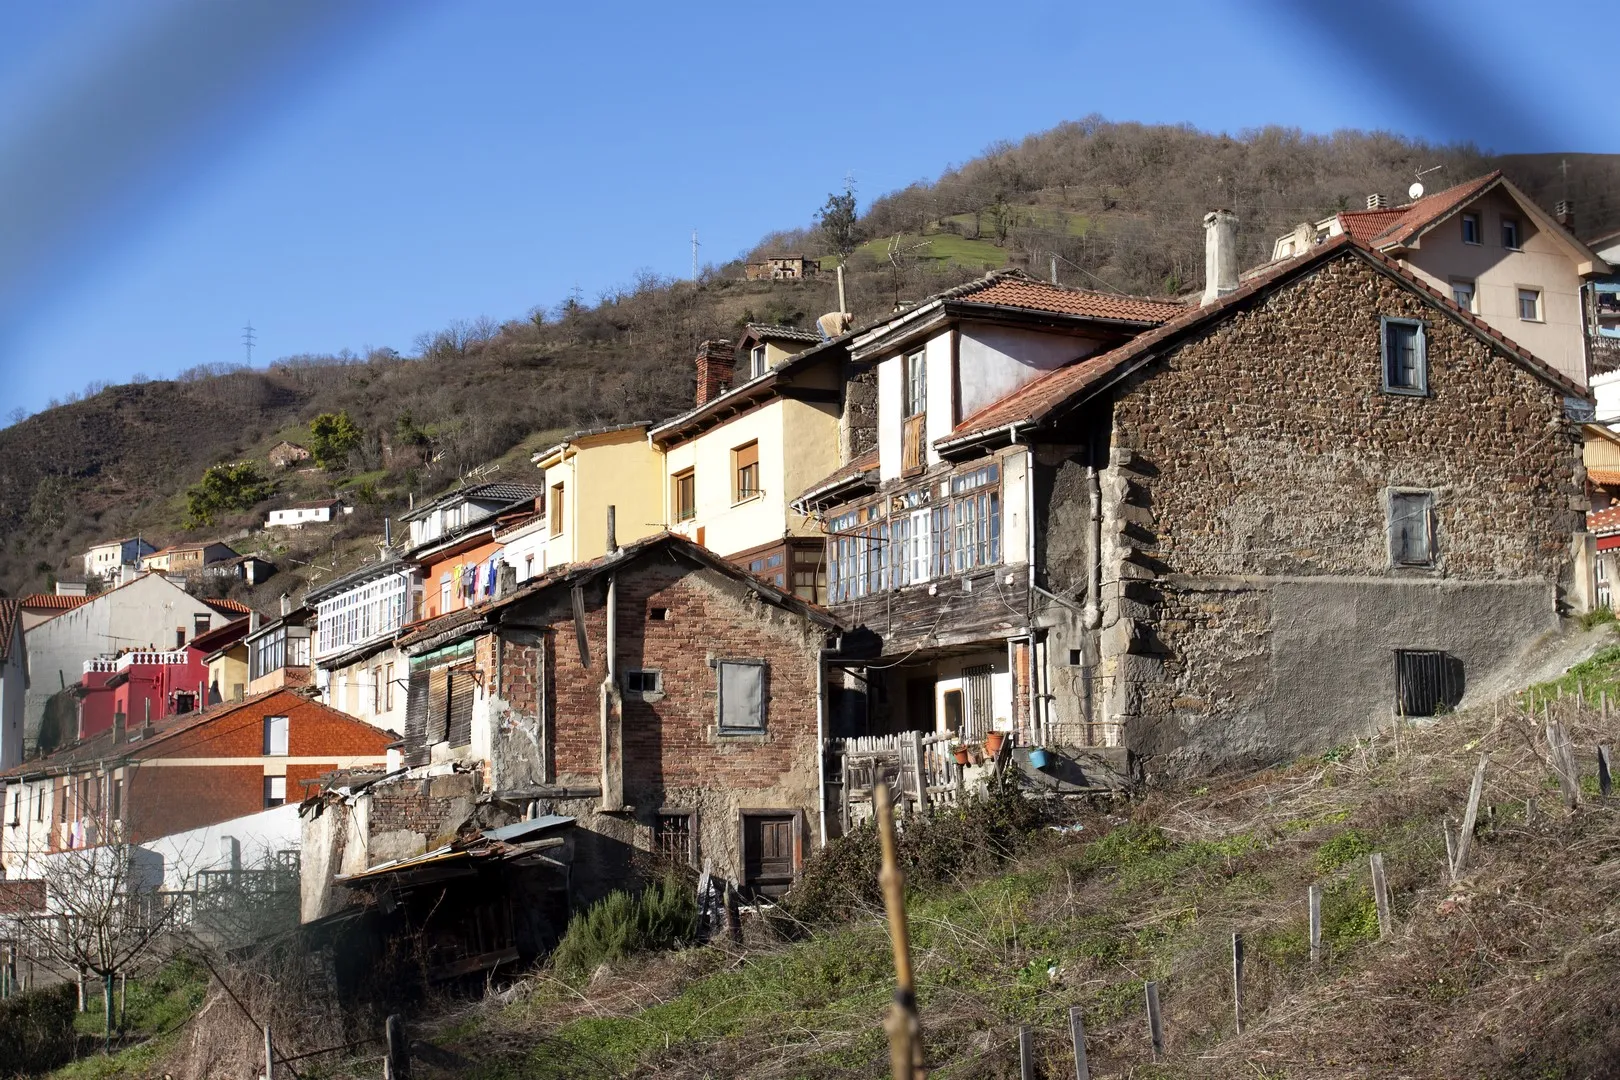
[(1220, 255), (1375, 201)]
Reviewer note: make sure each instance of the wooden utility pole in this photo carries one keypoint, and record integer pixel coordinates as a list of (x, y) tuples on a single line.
[(904, 1026)]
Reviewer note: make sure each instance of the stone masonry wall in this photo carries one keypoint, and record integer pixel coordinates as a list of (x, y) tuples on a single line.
[(1257, 460)]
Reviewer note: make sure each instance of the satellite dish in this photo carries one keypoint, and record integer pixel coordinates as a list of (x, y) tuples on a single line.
[(1415, 191)]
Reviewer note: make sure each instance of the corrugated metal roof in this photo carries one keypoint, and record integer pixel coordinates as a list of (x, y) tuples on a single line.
[(519, 829)]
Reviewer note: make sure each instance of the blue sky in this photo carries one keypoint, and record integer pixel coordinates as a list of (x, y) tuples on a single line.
[(360, 180)]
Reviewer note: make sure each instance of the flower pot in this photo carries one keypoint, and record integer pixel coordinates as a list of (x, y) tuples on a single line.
[(993, 741), (1039, 758), (963, 757)]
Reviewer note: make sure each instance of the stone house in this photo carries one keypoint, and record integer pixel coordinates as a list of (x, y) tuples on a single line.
[(187, 558), (792, 266), (184, 773), (1253, 530), (284, 455), (664, 699)]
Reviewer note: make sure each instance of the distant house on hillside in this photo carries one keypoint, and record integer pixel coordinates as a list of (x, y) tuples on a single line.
[(187, 558), (284, 455), (104, 559), (791, 267), (301, 514), (248, 568)]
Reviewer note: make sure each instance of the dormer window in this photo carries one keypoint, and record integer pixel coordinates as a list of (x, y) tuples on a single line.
[(756, 362)]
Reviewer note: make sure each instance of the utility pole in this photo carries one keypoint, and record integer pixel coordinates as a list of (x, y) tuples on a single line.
[(695, 246), (247, 341)]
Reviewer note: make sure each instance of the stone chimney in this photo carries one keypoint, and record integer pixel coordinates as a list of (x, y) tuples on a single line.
[(1565, 213), (505, 579), (1220, 255), (716, 362)]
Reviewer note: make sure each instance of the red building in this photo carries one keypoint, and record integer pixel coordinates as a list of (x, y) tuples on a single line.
[(185, 772), (147, 685)]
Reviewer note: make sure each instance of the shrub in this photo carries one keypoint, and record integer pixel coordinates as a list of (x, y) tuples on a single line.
[(36, 1030), (662, 916), (968, 841), (1341, 849), (225, 488)]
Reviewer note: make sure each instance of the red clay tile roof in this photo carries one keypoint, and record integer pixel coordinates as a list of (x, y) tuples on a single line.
[(1605, 477), (1036, 400), (52, 602), (1020, 291), (1403, 223), (1603, 521), (9, 611), (234, 606)]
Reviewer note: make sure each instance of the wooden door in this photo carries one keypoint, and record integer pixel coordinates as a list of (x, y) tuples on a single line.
[(769, 852)]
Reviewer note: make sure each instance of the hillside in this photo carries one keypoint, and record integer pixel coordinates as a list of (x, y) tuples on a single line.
[(1118, 204), (1504, 972)]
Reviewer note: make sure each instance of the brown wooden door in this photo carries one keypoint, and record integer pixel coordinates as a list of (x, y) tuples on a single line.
[(768, 852)]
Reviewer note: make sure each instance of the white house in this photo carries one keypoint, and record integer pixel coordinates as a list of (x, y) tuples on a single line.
[(294, 517), (454, 511), (104, 559)]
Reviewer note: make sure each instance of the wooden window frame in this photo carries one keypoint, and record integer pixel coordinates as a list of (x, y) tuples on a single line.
[(1430, 532), (693, 858), (1421, 389), (684, 511), (556, 504), (745, 458)]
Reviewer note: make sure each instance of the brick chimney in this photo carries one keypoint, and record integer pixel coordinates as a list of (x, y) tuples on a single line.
[(716, 361)]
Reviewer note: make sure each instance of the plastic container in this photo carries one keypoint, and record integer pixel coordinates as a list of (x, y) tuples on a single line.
[(1039, 758)]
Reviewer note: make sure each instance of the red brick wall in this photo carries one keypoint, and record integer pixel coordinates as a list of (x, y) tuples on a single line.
[(312, 729), (164, 799)]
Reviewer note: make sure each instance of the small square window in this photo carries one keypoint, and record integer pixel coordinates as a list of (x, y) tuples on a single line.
[(659, 614), (673, 837), (1074, 658), (1510, 234), (643, 682), (1530, 305), (1405, 357), (1470, 228), (1411, 528), (275, 791), (275, 736)]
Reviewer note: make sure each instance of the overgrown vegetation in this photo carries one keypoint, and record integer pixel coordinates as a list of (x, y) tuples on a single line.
[(36, 1030), (621, 924), (224, 488)]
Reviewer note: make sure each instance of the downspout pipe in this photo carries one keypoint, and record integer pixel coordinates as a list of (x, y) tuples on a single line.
[(821, 740)]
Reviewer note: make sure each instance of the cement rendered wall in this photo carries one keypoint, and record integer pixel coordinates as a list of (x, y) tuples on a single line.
[(13, 698)]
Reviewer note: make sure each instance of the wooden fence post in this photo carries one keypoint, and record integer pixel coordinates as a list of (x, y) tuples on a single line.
[(1381, 894), (1465, 839), (1026, 1054), (397, 1065), (1605, 770), (1077, 1036), (1451, 849), (1562, 757), (1237, 981), (1155, 1021), (919, 774), (1314, 899)]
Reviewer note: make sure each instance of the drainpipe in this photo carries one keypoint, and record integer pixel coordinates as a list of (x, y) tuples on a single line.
[(821, 739)]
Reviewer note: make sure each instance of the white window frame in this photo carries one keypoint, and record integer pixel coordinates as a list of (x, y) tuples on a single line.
[(1518, 236), (1518, 303), (756, 362), (276, 735), (1473, 294), (640, 676), (914, 384), (922, 544), (1471, 219), (271, 799)]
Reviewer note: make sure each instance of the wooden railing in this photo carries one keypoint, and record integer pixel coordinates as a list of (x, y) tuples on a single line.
[(920, 768)]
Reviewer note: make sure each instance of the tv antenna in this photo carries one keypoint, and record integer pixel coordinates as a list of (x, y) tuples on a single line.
[(1415, 192), (695, 246), (248, 339)]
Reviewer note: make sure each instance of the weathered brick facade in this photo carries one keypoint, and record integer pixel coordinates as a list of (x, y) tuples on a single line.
[(1251, 606)]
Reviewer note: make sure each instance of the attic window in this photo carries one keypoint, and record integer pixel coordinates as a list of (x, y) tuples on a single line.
[(1406, 363), (1510, 234), (756, 362), (1470, 228)]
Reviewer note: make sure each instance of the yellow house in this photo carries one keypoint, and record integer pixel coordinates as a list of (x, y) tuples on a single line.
[(766, 426), (584, 475)]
